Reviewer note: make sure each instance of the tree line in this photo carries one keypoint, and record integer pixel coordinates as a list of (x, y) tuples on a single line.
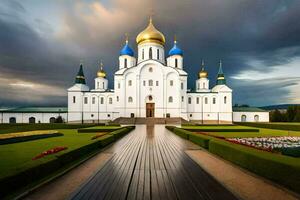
[(292, 114)]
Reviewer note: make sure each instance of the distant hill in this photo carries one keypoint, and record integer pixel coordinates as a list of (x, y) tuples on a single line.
[(279, 107)]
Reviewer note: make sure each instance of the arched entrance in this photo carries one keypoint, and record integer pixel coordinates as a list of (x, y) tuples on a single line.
[(32, 120), (52, 120), (256, 118), (150, 107), (243, 118), (12, 120)]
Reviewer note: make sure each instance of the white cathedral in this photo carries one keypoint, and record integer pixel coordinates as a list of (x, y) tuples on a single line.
[(151, 85)]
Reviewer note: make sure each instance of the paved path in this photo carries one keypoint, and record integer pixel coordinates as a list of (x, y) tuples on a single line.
[(150, 163)]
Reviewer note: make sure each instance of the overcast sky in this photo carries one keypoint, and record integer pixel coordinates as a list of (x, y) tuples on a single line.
[(42, 43)]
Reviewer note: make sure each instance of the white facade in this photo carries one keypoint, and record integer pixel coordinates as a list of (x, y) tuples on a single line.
[(17, 116), (246, 116), (147, 86)]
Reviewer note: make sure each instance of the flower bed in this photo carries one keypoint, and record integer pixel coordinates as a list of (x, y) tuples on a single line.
[(49, 152), (269, 143), (27, 136), (27, 133)]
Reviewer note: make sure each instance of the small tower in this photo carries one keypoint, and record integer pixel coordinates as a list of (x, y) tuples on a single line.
[(80, 79), (75, 96), (202, 83), (101, 82), (221, 78), (126, 58), (175, 58)]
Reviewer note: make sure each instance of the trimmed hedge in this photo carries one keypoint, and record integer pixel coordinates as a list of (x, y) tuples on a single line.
[(281, 169), (12, 183), (221, 130), (288, 127), (294, 152), (94, 130), (181, 132), (201, 140), (28, 138)]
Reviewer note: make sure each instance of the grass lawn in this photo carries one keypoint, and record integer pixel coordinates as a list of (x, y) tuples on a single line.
[(216, 127), (292, 126), (18, 157), (263, 132), (12, 128)]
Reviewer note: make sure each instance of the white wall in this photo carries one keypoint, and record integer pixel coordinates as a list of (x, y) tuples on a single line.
[(24, 117), (250, 116)]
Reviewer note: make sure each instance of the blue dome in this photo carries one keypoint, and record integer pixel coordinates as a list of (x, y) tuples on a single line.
[(126, 51), (175, 51)]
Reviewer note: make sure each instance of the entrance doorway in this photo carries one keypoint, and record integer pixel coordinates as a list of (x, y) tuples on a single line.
[(149, 109)]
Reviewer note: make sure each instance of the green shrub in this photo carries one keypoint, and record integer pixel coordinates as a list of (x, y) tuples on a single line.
[(28, 138), (102, 129), (294, 152), (170, 128), (181, 132), (199, 139), (282, 169)]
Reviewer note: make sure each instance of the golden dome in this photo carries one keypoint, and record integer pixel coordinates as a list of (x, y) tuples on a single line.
[(150, 34), (101, 73), (203, 73)]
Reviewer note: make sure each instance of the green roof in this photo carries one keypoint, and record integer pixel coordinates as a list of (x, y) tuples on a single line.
[(37, 110), (247, 109)]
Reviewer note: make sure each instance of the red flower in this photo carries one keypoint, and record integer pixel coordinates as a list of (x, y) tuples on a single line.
[(49, 152)]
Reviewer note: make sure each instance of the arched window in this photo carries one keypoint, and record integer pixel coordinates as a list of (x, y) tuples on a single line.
[(143, 54), (118, 98), (198, 86), (31, 120), (176, 62), (150, 82), (157, 54), (130, 82), (125, 62), (150, 53), (170, 99), (256, 118), (203, 85), (150, 69), (103, 85), (74, 99), (182, 86), (214, 100), (225, 100), (93, 100), (102, 100), (52, 120), (182, 98), (243, 118), (12, 120), (110, 100), (130, 100), (119, 85), (190, 100), (97, 85), (206, 100), (156, 83), (85, 100), (197, 100)]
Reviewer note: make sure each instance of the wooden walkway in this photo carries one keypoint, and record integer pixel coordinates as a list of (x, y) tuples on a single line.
[(150, 163)]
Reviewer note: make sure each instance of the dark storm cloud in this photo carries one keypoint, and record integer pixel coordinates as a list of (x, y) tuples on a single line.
[(238, 32)]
